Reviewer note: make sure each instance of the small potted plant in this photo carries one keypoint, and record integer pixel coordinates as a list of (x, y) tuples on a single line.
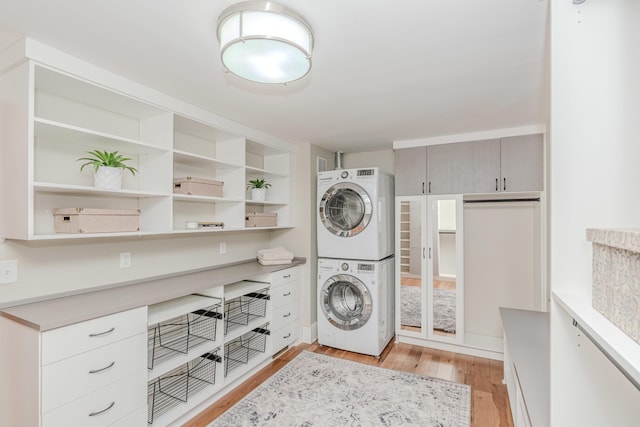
[(258, 189), (108, 167)]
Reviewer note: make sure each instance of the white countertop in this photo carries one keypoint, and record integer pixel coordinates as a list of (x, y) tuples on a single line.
[(66, 310)]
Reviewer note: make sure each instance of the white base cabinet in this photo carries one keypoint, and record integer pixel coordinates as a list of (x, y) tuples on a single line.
[(91, 373), (155, 365)]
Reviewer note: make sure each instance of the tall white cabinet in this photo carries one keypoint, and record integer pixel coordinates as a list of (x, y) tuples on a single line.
[(51, 118)]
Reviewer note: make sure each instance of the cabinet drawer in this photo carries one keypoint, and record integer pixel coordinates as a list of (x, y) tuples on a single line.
[(137, 418), (284, 336), (103, 407), (76, 376), (283, 276), (284, 314), (284, 294), (61, 343)]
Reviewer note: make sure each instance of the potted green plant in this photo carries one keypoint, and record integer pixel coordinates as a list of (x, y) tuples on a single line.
[(258, 189), (108, 167)]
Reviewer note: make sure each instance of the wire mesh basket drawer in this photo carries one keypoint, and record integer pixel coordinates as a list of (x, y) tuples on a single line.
[(177, 386), (183, 333), (241, 310), (242, 349)]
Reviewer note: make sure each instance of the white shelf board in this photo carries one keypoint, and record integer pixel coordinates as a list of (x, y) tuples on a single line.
[(69, 189), (266, 203), (65, 236), (280, 227), (244, 287), (624, 350), (204, 199), (178, 306), (206, 230), (82, 136), (252, 170), (191, 159)]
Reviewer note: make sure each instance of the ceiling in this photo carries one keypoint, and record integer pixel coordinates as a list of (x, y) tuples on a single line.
[(383, 70)]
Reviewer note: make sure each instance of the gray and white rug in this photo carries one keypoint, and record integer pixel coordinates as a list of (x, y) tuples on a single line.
[(444, 310), (318, 390)]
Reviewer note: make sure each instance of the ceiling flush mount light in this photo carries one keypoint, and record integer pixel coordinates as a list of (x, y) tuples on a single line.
[(264, 42)]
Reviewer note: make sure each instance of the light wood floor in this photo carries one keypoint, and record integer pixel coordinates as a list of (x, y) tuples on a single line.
[(489, 405)]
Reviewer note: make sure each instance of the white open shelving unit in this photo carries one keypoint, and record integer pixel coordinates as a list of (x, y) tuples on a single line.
[(55, 118)]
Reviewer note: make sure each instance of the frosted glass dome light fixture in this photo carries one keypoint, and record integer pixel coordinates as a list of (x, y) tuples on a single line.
[(264, 42)]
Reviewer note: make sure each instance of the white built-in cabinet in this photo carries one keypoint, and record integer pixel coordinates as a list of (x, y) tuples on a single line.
[(445, 169), (50, 119), (91, 373), (510, 164), (154, 365)]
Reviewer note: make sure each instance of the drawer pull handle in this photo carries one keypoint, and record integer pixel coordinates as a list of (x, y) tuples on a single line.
[(287, 276), (99, 334), (93, 414), (287, 336), (287, 294), (286, 315), (95, 371)]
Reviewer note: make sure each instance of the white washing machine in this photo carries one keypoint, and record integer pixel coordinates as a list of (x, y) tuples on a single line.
[(355, 304), (355, 214)]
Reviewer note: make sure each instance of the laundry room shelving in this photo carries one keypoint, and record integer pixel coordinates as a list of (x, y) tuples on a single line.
[(265, 163), (247, 312), (184, 354), (55, 118)]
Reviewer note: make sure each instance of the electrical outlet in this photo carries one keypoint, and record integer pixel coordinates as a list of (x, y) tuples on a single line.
[(125, 259), (8, 272), (223, 248)]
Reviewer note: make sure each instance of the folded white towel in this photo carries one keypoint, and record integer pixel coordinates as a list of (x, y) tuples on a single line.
[(275, 254), (274, 262)]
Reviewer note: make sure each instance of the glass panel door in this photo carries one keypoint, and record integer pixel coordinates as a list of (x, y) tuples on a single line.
[(411, 267), (445, 269)]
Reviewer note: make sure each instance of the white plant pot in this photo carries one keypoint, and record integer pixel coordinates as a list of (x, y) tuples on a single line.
[(108, 177), (258, 194)]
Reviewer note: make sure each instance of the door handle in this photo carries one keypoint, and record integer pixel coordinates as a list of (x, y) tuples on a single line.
[(429, 187), (287, 294), (424, 254), (496, 184), (504, 186), (429, 253), (423, 188)]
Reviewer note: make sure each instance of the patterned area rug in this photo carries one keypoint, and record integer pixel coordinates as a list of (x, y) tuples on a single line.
[(318, 390), (444, 313)]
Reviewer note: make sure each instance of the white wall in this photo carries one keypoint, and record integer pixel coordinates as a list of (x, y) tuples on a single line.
[(302, 239), (595, 182), (46, 268), (384, 159)]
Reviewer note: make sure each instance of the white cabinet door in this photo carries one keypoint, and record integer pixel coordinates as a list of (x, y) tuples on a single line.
[(444, 168), (481, 163), (522, 163), (411, 171)]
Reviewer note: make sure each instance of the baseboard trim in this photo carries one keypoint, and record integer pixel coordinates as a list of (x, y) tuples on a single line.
[(470, 351)]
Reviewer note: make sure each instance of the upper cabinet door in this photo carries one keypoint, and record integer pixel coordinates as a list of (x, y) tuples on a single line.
[(411, 171), (445, 169), (522, 163), (481, 160)]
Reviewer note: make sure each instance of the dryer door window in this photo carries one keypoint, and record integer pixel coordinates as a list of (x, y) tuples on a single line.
[(345, 209), (346, 302)]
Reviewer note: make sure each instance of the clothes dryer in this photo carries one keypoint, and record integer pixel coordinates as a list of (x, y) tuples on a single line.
[(355, 304), (355, 214)]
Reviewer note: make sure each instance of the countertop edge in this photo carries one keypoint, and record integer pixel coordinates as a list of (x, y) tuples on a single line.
[(60, 310)]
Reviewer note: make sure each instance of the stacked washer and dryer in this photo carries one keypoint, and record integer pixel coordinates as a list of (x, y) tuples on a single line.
[(355, 259)]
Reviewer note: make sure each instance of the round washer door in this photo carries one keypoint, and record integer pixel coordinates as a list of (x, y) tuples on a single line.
[(345, 209), (346, 302)]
